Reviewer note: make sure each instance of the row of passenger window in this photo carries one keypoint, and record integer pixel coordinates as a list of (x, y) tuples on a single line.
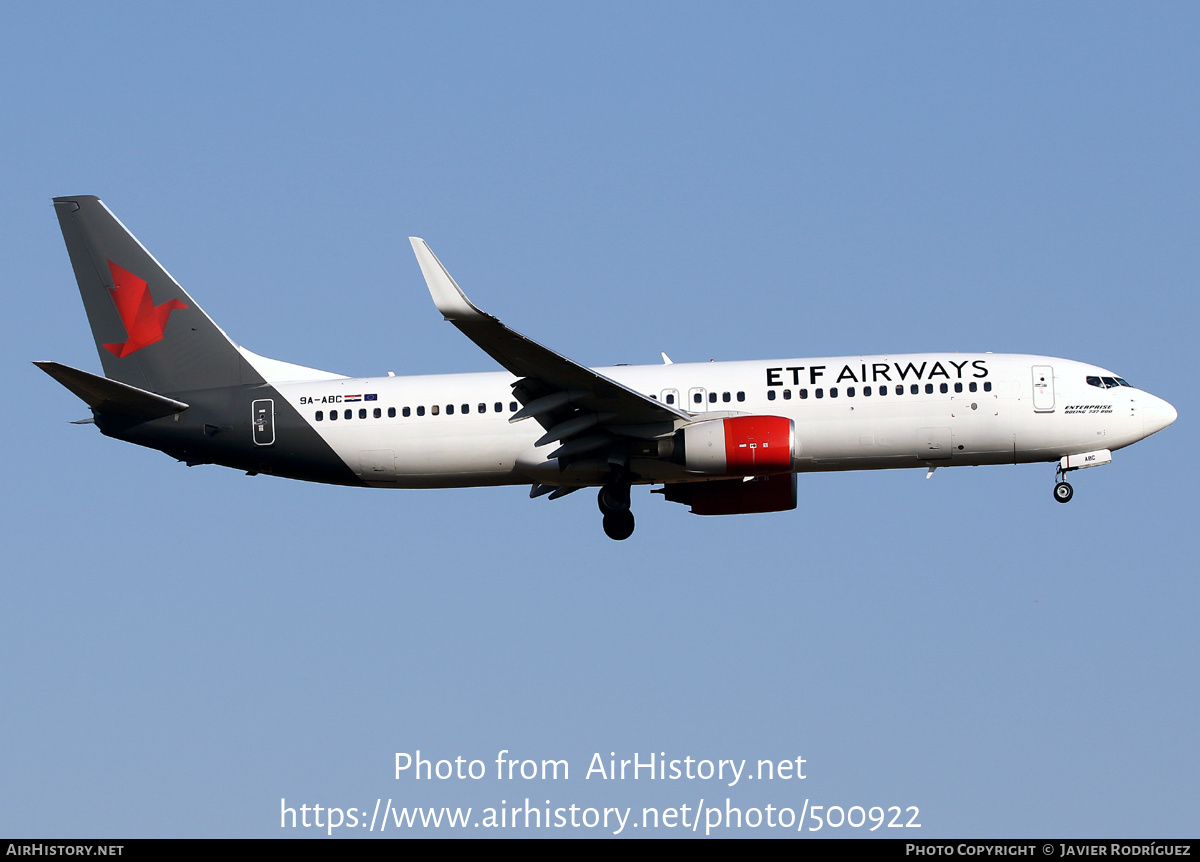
[(377, 413), (913, 389), (698, 397), (712, 397)]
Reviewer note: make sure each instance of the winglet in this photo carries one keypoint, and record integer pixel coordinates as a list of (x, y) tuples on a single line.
[(447, 295)]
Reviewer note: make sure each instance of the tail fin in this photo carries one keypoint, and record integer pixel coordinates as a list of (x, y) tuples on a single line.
[(149, 333)]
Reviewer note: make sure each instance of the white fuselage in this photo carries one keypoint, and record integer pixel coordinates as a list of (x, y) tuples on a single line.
[(723, 438), (453, 431)]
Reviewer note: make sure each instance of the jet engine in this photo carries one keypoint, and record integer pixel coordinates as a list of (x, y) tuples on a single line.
[(740, 446)]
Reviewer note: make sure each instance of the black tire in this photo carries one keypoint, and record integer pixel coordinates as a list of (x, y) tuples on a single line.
[(613, 499), (618, 526), (1063, 492)]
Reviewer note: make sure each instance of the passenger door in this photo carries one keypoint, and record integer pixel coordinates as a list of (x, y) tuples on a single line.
[(262, 419), (1043, 389)]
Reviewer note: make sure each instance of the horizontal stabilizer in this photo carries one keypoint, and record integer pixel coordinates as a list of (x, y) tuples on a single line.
[(111, 396)]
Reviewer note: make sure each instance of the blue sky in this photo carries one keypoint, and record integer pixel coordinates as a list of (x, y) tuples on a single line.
[(181, 648)]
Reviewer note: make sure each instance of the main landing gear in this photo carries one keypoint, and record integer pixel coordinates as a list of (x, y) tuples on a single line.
[(1063, 492), (613, 500)]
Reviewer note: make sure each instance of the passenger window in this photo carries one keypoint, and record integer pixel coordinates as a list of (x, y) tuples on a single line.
[(320, 415), (770, 395), (866, 391), (348, 414), (741, 396), (726, 397), (483, 408), (466, 409), (987, 386), (958, 387), (712, 398), (362, 413), (849, 391), (833, 392), (973, 386), (449, 409), (945, 388), (499, 407), (421, 410), (512, 406), (433, 410), (928, 388), (820, 393), (670, 398), (697, 398), (899, 388), (915, 389), (883, 390), (803, 394), (332, 415), (787, 395), (407, 411), (377, 413)]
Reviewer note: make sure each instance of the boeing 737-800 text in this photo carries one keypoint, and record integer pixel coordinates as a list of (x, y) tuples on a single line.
[(721, 437)]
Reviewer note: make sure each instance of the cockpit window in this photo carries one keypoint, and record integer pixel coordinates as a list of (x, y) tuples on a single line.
[(1107, 382)]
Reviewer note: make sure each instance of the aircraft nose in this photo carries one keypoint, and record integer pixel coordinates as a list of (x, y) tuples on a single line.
[(1157, 415)]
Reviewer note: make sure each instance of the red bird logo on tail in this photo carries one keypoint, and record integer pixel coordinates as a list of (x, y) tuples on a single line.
[(144, 321)]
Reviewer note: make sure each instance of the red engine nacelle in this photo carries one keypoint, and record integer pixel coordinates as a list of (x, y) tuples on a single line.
[(740, 446)]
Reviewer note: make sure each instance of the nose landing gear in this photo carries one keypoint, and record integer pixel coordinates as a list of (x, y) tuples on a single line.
[(1095, 458), (613, 500), (1063, 492)]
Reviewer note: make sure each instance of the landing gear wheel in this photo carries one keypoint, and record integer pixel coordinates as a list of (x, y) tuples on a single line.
[(613, 498), (619, 525), (1063, 492), (613, 501)]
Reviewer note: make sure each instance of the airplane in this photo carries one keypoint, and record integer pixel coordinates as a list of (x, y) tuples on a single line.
[(720, 437)]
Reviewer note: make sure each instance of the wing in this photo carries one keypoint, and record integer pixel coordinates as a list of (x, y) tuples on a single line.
[(583, 409)]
